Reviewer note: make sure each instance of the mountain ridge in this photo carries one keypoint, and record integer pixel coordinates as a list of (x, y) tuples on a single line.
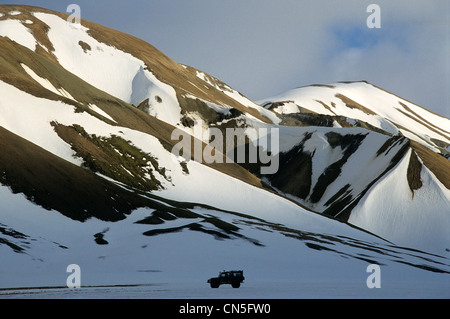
[(154, 60)]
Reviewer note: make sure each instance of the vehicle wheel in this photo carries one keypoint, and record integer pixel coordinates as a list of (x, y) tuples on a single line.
[(235, 284), (214, 285)]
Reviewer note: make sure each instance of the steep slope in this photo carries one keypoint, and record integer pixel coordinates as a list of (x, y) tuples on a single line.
[(418, 210), (331, 168), (401, 133), (68, 119), (27, 70)]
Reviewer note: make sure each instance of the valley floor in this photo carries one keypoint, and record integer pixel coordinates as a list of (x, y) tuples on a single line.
[(250, 290)]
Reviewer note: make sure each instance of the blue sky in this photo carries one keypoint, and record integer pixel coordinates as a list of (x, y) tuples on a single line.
[(265, 47)]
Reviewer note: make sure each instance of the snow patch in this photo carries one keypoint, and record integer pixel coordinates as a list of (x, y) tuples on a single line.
[(287, 108), (98, 110), (106, 67), (111, 70), (235, 95), (162, 99), (46, 83), (17, 32), (217, 108), (31, 118)]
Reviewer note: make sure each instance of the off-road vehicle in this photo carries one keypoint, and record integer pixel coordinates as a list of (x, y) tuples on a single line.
[(233, 277)]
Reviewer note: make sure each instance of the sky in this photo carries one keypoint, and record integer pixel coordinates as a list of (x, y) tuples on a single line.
[(265, 47)]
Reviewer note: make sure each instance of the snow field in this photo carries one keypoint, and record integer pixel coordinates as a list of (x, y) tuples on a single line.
[(177, 265), (393, 211)]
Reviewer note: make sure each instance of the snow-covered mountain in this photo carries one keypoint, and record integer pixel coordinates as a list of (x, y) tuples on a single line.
[(88, 174), (381, 163)]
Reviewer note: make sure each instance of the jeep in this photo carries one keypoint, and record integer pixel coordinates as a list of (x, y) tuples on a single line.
[(233, 277)]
